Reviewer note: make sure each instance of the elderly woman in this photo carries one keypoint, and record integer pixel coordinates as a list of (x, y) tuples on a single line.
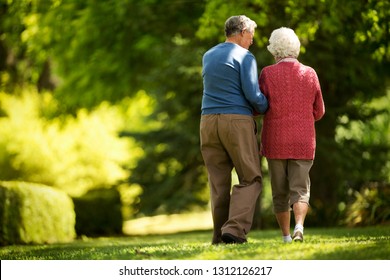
[(288, 138)]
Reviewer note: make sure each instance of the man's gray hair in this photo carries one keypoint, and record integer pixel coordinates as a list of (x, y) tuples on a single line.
[(237, 24)]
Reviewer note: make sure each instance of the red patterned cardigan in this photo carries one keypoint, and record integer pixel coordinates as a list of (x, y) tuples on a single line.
[(295, 103)]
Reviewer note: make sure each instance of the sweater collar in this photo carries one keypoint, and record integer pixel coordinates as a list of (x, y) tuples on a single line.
[(287, 59)]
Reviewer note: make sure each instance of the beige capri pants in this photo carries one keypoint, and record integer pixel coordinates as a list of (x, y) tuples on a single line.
[(290, 182)]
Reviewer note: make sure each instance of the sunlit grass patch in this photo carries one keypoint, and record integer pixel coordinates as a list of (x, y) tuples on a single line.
[(165, 224)]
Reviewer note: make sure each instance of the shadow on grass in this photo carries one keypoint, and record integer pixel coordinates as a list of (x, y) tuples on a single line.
[(377, 251)]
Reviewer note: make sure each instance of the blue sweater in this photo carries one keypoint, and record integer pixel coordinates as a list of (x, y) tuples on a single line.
[(230, 82)]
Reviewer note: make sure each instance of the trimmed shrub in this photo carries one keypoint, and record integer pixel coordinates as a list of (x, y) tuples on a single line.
[(99, 212), (34, 213)]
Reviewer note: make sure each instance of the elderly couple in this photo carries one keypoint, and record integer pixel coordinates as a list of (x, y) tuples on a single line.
[(289, 96)]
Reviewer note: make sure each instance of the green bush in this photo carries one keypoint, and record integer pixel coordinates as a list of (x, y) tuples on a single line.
[(99, 212), (369, 206), (33, 213), (71, 153)]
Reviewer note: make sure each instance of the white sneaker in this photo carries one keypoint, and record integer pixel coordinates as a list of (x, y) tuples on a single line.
[(287, 239), (298, 236)]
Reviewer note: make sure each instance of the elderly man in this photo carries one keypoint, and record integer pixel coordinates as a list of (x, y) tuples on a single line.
[(231, 96)]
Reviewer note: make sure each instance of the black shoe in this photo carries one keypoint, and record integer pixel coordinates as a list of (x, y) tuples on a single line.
[(230, 238)]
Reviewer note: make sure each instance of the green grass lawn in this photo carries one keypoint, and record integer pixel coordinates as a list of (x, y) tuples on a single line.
[(372, 243)]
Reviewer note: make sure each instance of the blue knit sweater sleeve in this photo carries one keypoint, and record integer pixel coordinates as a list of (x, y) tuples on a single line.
[(250, 84)]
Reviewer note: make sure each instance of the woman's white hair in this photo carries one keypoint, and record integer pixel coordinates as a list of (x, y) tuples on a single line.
[(284, 43)]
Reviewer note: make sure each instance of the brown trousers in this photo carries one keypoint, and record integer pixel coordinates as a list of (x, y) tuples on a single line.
[(229, 141)]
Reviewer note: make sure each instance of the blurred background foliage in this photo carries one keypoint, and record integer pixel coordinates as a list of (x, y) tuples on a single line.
[(106, 94)]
